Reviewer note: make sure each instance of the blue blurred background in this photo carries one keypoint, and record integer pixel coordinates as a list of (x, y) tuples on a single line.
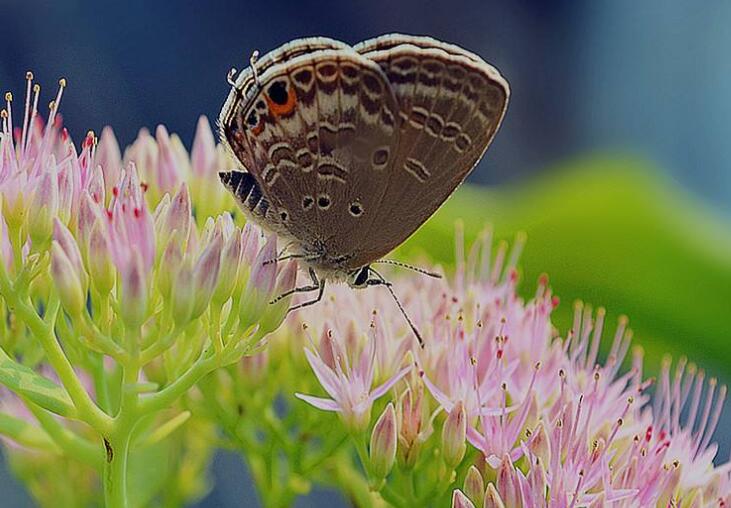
[(649, 78)]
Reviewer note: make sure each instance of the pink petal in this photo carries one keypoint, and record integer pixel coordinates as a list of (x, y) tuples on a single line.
[(319, 403), (378, 392)]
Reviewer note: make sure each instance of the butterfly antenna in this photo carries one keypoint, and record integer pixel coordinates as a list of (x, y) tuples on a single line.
[(252, 62), (384, 282), (408, 267)]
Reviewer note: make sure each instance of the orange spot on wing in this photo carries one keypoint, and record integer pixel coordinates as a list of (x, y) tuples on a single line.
[(283, 109)]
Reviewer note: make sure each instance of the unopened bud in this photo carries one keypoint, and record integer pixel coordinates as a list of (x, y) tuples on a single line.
[(66, 280), (383, 443), (459, 500), (474, 486), (454, 434)]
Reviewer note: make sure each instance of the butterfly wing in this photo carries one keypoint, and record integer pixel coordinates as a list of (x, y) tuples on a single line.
[(451, 104), (315, 135)]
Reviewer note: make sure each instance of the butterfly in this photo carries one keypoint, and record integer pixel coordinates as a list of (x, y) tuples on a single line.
[(345, 151)]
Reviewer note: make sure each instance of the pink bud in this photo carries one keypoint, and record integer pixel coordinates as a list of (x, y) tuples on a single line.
[(203, 154), (453, 436), (89, 213), (250, 244), (95, 187), (178, 216), (133, 304), (411, 420), (44, 206), (383, 443), (109, 157), (539, 443), (206, 274), (65, 192), (99, 259), (507, 483), (183, 294), (264, 272), (171, 260), (70, 248), (230, 261), (459, 500), (474, 486), (168, 171), (492, 497), (66, 280)]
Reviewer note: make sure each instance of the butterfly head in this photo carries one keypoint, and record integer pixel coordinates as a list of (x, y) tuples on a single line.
[(360, 277)]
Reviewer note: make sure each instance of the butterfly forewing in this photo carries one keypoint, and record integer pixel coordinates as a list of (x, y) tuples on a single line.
[(451, 104), (318, 134)]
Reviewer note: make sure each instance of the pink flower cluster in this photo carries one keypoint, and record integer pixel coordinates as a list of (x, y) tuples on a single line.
[(556, 422)]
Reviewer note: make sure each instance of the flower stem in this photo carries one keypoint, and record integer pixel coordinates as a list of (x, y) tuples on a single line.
[(115, 470)]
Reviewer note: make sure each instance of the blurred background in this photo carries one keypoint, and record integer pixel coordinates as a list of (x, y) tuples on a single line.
[(614, 156)]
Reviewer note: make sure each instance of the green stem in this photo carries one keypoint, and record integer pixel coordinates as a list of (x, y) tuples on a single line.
[(43, 331), (162, 399), (115, 470)]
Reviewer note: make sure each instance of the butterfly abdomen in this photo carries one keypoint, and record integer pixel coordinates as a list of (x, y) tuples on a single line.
[(246, 190)]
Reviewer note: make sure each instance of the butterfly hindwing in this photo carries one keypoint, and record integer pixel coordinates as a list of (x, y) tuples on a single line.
[(451, 104)]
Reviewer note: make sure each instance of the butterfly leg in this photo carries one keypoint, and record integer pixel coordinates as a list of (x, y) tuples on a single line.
[(304, 289), (321, 287)]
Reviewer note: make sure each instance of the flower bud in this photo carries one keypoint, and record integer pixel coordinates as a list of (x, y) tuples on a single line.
[(492, 497), (539, 444), (168, 171), (66, 280), (172, 257), (474, 486), (133, 304), (177, 216), (230, 261), (65, 192), (89, 213), (205, 274), (453, 436), (203, 153), (44, 207), (411, 419), (95, 188), (459, 500), (14, 202), (260, 285), (68, 244), (383, 443), (99, 260), (183, 294), (275, 313), (508, 483), (109, 157)]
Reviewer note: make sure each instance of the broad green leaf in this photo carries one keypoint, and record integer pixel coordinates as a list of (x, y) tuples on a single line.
[(26, 382), (612, 233)]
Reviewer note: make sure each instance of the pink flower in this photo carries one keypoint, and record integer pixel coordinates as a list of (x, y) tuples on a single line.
[(347, 376)]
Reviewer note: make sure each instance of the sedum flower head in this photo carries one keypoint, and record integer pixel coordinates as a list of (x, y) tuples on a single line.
[(550, 421)]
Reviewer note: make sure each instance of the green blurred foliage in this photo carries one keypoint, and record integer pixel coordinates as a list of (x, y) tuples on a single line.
[(616, 233)]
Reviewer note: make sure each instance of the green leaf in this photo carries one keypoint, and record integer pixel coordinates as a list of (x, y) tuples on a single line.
[(614, 233), (26, 382)]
